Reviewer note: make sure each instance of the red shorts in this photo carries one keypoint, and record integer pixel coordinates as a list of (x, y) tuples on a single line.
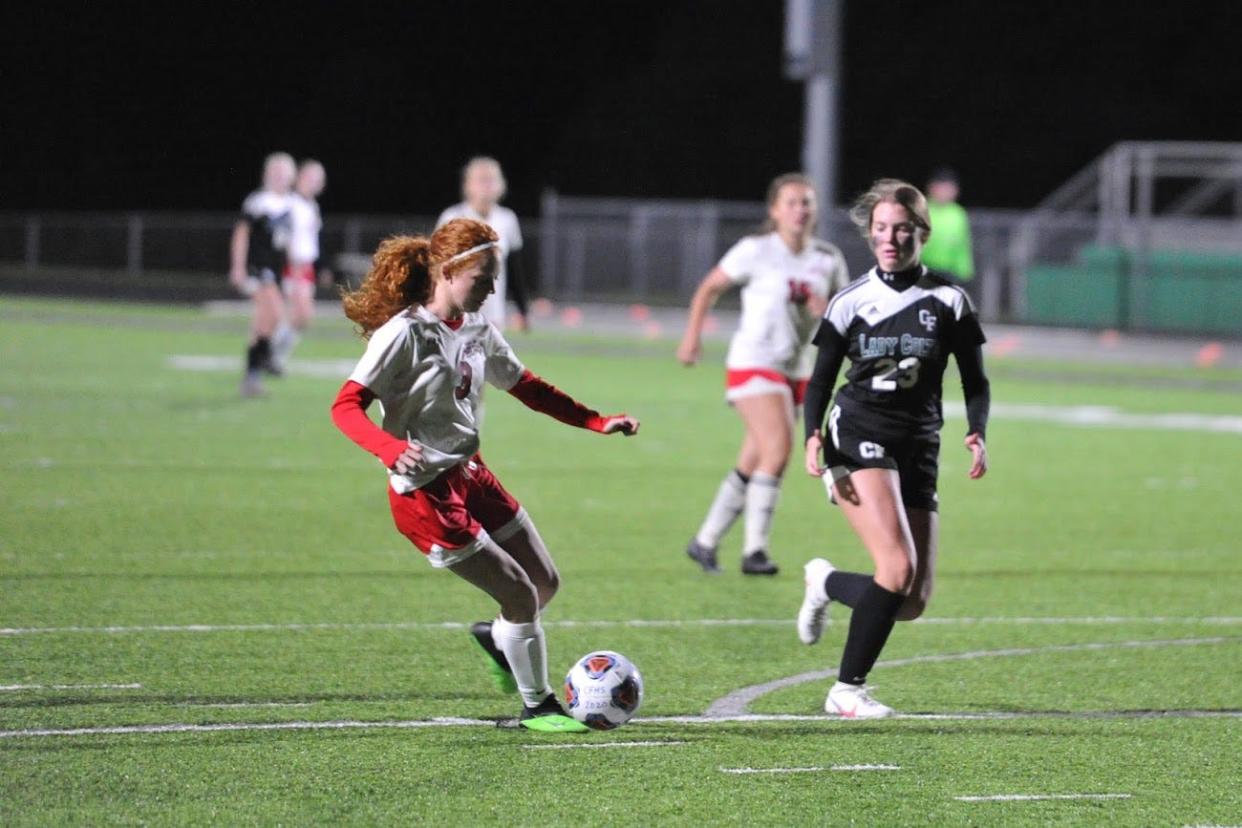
[(300, 273), (750, 382), (451, 517)]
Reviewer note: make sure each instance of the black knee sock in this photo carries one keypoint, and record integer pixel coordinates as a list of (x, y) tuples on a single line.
[(870, 625), (847, 587), (258, 354)]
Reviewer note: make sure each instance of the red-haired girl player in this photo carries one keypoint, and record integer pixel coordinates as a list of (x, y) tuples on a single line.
[(428, 354)]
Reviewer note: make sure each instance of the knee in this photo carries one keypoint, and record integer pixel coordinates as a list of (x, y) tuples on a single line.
[(521, 603), (893, 571), (911, 608), (548, 586)]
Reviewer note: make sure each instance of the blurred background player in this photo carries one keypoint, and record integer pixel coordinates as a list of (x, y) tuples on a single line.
[(302, 267), (257, 258), (787, 277), (482, 189), (899, 323), (428, 355), (949, 249)]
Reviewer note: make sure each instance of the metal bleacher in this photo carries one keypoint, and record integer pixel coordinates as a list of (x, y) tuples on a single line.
[(1147, 237)]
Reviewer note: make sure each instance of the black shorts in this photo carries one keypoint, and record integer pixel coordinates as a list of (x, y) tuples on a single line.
[(855, 444)]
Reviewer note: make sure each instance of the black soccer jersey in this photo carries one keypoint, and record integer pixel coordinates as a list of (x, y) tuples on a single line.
[(898, 330), (270, 217)]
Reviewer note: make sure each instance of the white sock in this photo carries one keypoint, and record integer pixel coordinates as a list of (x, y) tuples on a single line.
[(730, 499), (761, 496), (527, 652), (283, 342)]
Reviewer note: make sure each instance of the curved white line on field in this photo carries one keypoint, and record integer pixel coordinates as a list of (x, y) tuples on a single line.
[(738, 702)]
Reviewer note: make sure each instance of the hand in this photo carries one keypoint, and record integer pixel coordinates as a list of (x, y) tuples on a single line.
[(979, 456), (520, 323), (814, 444), (620, 423), (689, 350), (237, 277), (410, 460)]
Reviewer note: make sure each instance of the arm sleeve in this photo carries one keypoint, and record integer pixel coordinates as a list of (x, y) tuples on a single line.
[(976, 389), (827, 364), (516, 285), (540, 395), (349, 413)]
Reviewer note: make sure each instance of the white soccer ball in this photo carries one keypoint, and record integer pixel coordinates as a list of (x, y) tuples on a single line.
[(603, 690)]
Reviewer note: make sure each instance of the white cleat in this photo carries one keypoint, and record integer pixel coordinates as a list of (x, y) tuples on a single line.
[(814, 601), (852, 701)]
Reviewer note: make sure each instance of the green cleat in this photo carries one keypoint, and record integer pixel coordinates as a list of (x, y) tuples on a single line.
[(549, 717), (497, 664)]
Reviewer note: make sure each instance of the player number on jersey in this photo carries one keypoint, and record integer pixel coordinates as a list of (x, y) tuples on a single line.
[(799, 292), (891, 374), (467, 378)]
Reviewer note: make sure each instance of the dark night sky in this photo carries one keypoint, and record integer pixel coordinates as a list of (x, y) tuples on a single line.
[(135, 105)]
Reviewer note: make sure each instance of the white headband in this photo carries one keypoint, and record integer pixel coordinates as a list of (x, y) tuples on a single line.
[(476, 249)]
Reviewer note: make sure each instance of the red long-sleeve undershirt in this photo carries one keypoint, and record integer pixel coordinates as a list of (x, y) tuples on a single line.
[(349, 413)]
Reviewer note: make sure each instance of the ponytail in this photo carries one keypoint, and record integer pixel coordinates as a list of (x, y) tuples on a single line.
[(403, 269), (400, 276)]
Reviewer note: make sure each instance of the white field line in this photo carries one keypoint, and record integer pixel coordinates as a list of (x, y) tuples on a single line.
[(1106, 416), (1039, 797), (17, 688), (1085, 416), (418, 724), (245, 704), (602, 745), (667, 623), (739, 701), (846, 768), (321, 368)]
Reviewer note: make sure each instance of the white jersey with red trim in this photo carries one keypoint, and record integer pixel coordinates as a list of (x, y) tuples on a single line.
[(304, 238), (429, 379), (776, 283), (504, 221)]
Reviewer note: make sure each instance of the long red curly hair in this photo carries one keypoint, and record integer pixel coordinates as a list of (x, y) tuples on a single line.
[(404, 269)]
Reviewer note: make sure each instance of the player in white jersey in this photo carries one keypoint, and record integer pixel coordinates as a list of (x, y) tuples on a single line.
[(428, 355), (482, 189), (787, 277), (302, 260), (257, 258)]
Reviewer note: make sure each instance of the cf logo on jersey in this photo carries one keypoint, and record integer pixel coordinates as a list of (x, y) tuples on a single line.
[(927, 319), (870, 451)]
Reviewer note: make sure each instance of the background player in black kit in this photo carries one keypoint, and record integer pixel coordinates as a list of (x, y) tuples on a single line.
[(257, 254), (898, 324)]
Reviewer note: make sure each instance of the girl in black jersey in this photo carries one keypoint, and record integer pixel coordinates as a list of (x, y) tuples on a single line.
[(898, 324)]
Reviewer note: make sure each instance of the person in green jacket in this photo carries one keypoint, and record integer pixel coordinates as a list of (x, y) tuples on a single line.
[(948, 250)]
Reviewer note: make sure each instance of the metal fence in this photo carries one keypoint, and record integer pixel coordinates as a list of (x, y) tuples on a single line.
[(579, 249)]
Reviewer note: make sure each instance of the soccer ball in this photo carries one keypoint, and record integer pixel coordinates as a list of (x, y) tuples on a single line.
[(603, 690)]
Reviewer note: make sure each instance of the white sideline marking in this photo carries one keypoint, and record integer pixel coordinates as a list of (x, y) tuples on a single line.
[(846, 768), (1107, 416), (749, 718), (1039, 797), (14, 688), (323, 368), (245, 704), (600, 745), (737, 702), (1088, 416), (1220, 620)]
